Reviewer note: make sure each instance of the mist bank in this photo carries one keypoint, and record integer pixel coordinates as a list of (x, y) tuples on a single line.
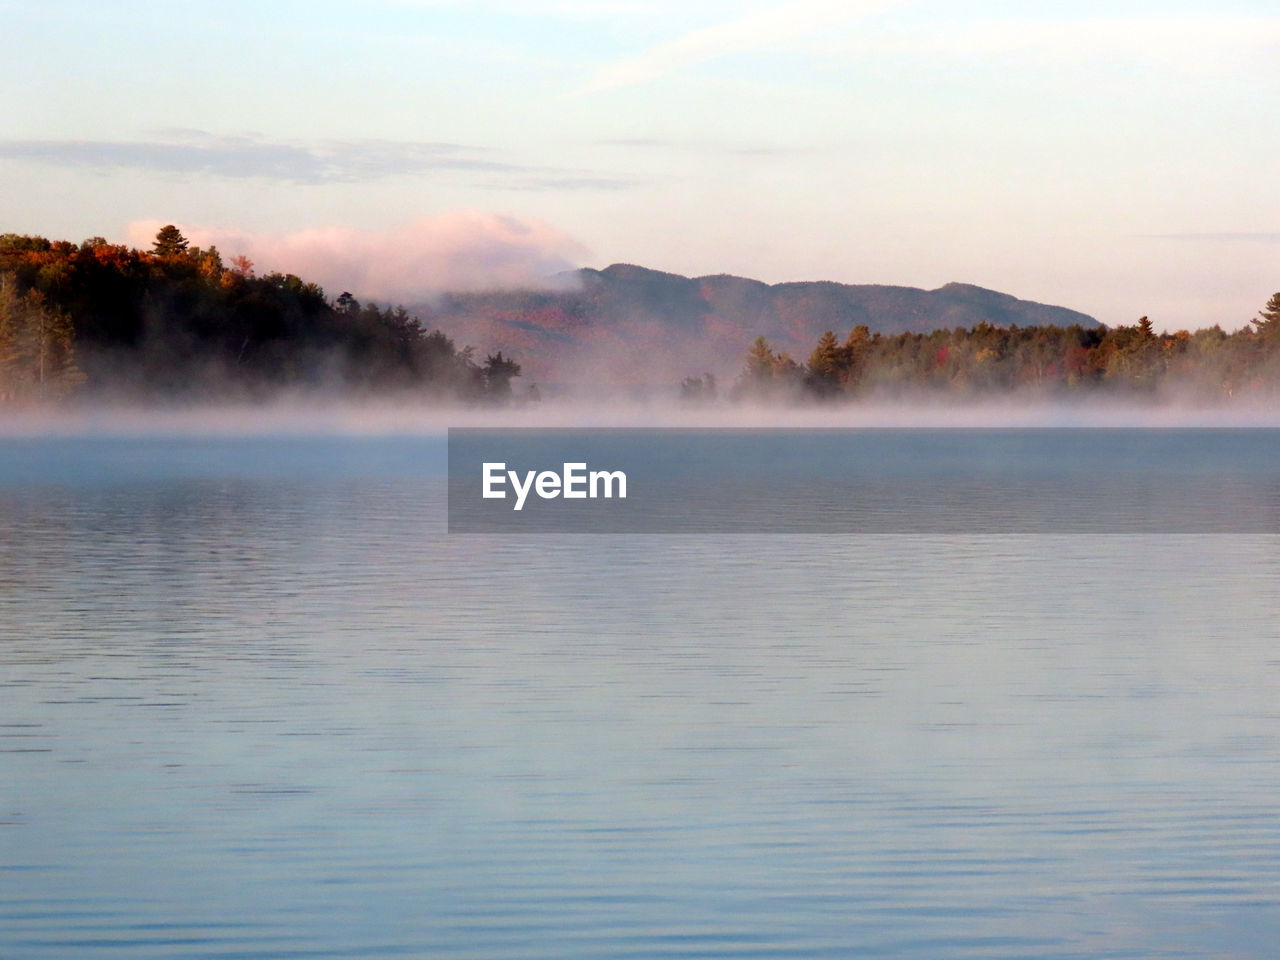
[(307, 415)]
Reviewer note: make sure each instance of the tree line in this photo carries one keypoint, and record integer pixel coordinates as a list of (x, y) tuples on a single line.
[(1133, 361), (177, 320)]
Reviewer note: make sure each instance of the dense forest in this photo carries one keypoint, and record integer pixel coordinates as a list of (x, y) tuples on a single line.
[(1131, 361), (177, 321)]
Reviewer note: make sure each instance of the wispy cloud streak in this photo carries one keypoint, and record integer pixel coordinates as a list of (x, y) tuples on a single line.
[(196, 153), (331, 161), (756, 31)]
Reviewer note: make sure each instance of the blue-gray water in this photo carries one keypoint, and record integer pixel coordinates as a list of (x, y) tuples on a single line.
[(254, 702)]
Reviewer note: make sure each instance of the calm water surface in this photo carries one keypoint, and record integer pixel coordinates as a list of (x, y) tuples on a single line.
[(254, 702)]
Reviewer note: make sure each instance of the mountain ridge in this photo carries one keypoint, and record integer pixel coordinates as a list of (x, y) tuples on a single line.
[(631, 323)]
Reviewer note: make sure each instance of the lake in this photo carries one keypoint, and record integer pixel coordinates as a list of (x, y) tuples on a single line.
[(256, 702)]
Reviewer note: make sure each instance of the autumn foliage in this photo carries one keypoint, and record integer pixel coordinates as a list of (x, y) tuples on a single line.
[(177, 320), (1131, 361)]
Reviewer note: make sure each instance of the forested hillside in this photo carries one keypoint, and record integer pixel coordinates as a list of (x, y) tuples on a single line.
[(178, 321), (635, 325), (1130, 361)]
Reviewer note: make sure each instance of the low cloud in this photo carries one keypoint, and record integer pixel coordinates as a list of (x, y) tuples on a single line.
[(463, 250)]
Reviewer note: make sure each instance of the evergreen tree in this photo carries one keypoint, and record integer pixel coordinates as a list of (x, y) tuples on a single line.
[(825, 364), (170, 242), (37, 353), (48, 340), (856, 351), (1268, 322), (498, 372), (825, 359), (760, 361)]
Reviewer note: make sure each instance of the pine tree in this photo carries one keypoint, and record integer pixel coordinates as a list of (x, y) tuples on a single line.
[(760, 360), (825, 359), (170, 242), (825, 364), (854, 356), (1268, 322)]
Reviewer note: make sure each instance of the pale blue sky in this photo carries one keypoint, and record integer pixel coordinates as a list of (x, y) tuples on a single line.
[(1117, 158)]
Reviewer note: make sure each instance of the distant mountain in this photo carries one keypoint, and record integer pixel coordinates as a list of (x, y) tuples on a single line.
[(629, 324)]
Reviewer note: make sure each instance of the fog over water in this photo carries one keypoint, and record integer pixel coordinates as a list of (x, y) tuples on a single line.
[(307, 415)]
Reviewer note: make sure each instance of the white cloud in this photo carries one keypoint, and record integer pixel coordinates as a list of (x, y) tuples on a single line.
[(755, 31), (462, 250)]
